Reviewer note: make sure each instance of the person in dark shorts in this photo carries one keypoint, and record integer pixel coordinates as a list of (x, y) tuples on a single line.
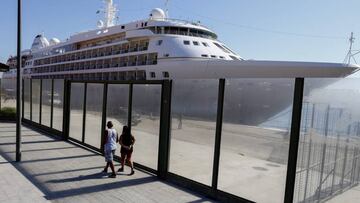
[(110, 140), (126, 142)]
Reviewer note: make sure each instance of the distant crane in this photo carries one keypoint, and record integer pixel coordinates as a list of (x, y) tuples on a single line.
[(350, 56)]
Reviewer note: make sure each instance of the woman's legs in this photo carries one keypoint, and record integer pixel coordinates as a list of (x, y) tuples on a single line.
[(128, 159), (122, 161)]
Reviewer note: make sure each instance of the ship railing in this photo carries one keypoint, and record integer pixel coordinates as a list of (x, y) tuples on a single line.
[(144, 48), (184, 22)]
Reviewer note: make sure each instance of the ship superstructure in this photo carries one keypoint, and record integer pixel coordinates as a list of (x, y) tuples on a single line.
[(125, 52)]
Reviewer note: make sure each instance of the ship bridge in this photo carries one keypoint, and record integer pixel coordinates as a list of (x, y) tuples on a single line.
[(4, 67)]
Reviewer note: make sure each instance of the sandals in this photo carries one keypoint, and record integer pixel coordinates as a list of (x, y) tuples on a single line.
[(113, 175)]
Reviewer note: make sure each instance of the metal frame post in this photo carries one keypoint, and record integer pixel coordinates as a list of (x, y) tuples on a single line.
[(358, 168), (345, 160), (52, 104), (353, 166), (104, 116), (66, 109), (165, 130), (22, 99), (84, 113), (335, 163), (31, 109), (218, 131), (40, 102), (131, 87), (18, 85), (310, 151), (0, 92), (323, 153), (294, 140)]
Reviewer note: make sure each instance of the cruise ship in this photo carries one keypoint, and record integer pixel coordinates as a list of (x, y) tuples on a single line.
[(158, 48)]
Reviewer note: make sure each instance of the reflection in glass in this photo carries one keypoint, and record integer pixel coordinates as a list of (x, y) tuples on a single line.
[(46, 102), (328, 164), (117, 105), (27, 98), (146, 123), (36, 100), (8, 93), (94, 102), (58, 104), (194, 106), (255, 138), (76, 110)]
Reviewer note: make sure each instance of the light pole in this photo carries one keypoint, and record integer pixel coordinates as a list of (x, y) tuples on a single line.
[(18, 85)]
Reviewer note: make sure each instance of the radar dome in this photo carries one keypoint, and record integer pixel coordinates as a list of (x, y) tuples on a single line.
[(54, 41), (157, 14), (39, 43)]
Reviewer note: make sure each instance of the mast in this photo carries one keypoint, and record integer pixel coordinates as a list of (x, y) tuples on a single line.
[(351, 53), (110, 13), (167, 8)]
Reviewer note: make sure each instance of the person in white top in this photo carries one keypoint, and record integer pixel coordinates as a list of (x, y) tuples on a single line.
[(110, 139)]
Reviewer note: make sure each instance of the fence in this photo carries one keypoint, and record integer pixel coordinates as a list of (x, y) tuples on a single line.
[(212, 136), (328, 161)]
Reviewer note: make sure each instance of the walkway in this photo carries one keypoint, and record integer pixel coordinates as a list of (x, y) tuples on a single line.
[(55, 171)]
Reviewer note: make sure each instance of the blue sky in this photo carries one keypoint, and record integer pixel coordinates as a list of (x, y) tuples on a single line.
[(305, 30)]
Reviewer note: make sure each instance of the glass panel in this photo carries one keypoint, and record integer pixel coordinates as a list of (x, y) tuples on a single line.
[(328, 164), (27, 98), (117, 105), (46, 103), (146, 123), (76, 110), (194, 106), (36, 100), (8, 93), (94, 102), (58, 104), (255, 138)]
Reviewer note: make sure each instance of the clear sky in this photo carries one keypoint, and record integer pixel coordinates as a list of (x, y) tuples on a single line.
[(306, 30)]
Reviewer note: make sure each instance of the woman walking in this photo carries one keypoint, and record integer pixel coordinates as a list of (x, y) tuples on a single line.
[(126, 142)]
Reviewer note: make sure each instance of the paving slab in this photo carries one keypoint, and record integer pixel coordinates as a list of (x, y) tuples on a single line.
[(56, 171)]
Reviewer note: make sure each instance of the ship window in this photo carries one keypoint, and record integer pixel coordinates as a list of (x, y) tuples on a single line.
[(152, 74), (122, 27), (166, 74), (146, 24), (227, 48), (196, 43), (222, 48), (234, 58), (204, 55), (213, 56), (205, 44), (222, 57), (159, 42), (186, 42)]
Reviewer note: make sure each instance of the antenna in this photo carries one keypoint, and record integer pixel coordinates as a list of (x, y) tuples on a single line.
[(167, 8), (351, 53)]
